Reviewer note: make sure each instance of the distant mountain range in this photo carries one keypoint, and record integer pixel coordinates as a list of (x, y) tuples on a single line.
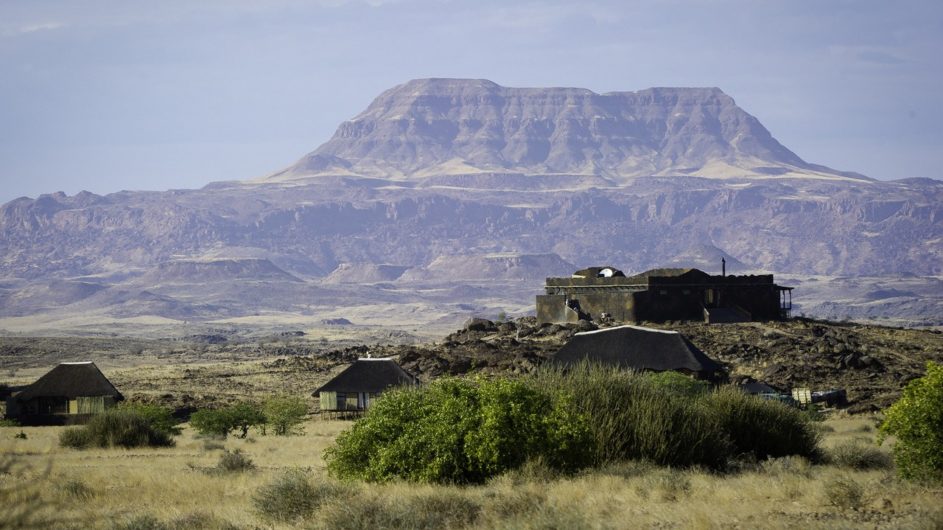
[(450, 197)]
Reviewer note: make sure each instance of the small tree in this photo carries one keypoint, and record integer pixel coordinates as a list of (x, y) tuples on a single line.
[(210, 422), (916, 419), (220, 422), (244, 415), (284, 414)]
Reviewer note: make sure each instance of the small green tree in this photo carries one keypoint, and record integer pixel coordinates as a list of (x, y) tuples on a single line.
[(285, 414), (244, 415), (210, 422), (221, 422), (916, 419)]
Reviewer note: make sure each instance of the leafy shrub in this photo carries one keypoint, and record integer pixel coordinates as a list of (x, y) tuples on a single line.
[(844, 493), (461, 431), (158, 417), (293, 496), (762, 428), (115, 427), (221, 422), (285, 414), (20, 435), (9, 422), (856, 455), (632, 417), (234, 462), (916, 419)]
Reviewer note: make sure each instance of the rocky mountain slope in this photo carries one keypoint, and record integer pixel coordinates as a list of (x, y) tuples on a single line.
[(452, 197)]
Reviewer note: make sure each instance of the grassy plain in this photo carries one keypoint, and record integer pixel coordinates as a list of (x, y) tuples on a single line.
[(179, 487)]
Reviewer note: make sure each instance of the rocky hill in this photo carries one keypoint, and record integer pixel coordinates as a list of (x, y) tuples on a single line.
[(871, 363), (447, 198)]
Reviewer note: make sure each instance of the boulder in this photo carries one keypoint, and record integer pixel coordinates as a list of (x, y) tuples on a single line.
[(479, 324)]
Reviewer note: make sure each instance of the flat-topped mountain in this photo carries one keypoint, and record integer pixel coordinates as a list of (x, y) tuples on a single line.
[(451, 198), (437, 127)]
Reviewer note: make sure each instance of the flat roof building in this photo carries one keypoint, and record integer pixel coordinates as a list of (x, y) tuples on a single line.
[(657, 295)]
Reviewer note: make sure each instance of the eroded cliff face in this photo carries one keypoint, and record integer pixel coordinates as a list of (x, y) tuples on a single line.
[(384, 207)]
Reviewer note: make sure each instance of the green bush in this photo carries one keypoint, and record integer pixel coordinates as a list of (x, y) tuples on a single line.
[(632, 417), (285, 414), (916, 419), (293, 496), (158, 417), (460, 431), (115, 427), (678, 383), (760, 427)]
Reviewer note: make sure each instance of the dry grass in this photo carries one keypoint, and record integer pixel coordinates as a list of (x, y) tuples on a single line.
[(99, 487)]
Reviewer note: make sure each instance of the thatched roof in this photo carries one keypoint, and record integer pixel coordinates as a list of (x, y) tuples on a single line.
[(637, 348), (369, 375), (71, 380)]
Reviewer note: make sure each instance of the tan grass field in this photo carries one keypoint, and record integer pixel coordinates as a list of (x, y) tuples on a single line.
[(177, 488)]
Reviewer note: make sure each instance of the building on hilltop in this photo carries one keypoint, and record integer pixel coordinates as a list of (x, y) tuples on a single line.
[(353, 389), (662, 294), (641, 349), (69, 393)]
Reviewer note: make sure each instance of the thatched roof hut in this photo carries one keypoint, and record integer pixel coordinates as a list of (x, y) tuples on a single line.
[(639, 348), (74, 389), (352, 389)]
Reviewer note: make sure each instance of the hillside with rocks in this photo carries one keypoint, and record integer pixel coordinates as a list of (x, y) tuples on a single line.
[(872, 363)]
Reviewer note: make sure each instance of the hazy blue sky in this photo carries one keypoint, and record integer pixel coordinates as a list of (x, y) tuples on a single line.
[(110, 95)]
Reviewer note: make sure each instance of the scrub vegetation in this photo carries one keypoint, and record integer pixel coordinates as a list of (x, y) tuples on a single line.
[(45, 485)]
